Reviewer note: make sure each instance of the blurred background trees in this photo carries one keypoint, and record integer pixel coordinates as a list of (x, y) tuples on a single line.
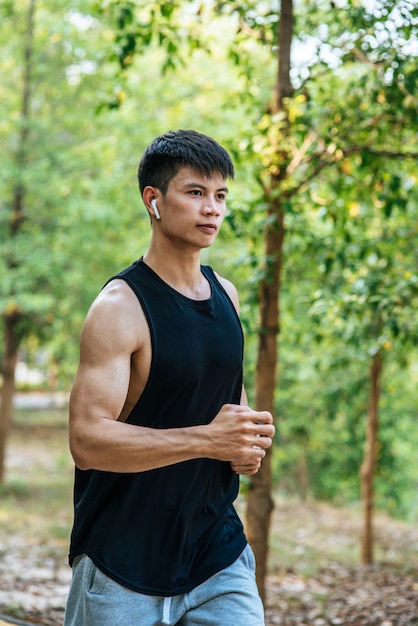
[(328, 162)]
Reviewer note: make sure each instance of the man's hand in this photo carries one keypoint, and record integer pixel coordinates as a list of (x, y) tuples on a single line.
[(248, 468), (241, 436)]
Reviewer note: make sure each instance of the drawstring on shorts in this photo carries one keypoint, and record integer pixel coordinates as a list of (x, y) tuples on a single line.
[(166, 611)]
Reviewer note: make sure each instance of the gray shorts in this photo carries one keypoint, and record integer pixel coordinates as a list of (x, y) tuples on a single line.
[(228, 597)]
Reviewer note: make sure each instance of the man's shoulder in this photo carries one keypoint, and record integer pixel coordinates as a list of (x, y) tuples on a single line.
[(121, 287), (116, 299), (227, 286), (115, 315), (112, 301)]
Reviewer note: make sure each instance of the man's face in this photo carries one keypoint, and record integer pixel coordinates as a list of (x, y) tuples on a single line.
[(193, 208)]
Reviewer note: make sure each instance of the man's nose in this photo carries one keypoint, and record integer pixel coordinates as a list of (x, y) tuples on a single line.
[(211, 206)]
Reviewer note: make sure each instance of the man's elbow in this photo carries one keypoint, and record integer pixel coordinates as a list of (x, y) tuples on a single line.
[(80, 453)]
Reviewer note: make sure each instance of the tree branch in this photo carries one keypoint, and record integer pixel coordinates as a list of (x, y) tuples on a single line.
[(339, 155)]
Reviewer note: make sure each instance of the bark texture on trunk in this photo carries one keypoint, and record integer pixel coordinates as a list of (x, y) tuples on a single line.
[(260, 501), (9, 362), (367, 471)]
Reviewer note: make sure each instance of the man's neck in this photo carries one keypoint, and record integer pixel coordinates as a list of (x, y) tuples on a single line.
[(181, 271)]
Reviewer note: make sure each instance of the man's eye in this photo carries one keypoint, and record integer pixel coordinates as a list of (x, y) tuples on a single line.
[(196, 192)]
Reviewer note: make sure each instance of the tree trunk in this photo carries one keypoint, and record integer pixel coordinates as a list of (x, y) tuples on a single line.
[(8, 373), (12, 315), (260, 501), (367, 470)]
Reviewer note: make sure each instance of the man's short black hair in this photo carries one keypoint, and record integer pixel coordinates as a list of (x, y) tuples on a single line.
[(167, 154)]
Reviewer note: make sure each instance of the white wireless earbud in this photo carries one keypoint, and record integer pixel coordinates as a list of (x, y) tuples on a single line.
[(154, 206)]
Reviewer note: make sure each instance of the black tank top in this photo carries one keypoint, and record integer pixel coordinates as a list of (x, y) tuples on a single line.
[(165, 531)]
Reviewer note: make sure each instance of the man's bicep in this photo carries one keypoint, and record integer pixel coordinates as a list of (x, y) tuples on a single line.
[(102, 379), (100, 389)]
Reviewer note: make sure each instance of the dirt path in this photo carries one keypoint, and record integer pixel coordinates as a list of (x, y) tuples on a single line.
[(362, 596)]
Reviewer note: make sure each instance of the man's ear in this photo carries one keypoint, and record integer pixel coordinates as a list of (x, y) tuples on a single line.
[(149, 198)]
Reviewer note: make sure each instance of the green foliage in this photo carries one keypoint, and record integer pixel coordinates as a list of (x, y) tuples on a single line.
[(369, 266), (108, 76), (321, 410), (177, 28)]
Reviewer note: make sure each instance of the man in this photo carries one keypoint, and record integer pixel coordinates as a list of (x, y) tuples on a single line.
[(159, 427)]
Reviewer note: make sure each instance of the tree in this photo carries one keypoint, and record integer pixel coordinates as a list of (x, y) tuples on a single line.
[(46, 185), (372, 285), (12, 313), (259, 503)]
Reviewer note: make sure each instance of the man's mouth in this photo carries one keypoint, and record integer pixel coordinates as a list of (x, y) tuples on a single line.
[(208, 228)]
